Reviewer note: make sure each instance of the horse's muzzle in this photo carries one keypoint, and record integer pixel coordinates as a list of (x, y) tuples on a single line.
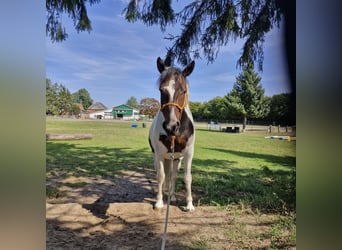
[(171, 128)]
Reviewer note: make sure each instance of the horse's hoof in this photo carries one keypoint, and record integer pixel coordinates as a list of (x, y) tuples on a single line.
[(190, 208), (157, 209), (158, 206)]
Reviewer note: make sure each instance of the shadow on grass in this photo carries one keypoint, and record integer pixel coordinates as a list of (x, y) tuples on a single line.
[(286, 161), (112, 174), (215, 181), (218, 182), (90, 160)]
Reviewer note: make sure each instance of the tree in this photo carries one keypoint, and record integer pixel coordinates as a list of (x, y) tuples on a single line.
[(75, 109), (82, 96), (196, 110), (280, 109), (247, 96), (149, 106), (64, 100), (58, 99), (132, 101), (217, 108), (51, 97), (76, 10), (206, 25)]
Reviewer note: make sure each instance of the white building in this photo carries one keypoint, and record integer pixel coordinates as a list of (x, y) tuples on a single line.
[(103, 114)]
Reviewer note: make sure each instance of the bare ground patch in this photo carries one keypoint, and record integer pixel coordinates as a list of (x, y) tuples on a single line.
[(102, 213)]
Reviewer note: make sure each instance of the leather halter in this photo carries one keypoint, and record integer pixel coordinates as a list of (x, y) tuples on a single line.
[(180, 107)]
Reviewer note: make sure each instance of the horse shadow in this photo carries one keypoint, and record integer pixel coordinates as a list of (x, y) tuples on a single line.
[(138, 186), (113, 175)]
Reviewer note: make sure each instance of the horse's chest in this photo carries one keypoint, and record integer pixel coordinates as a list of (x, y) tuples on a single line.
[(179, 146)]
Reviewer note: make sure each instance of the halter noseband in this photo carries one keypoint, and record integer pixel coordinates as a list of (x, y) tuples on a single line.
[(176, 104)]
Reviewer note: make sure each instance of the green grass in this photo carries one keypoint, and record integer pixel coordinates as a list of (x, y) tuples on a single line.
[(53, 192), (198, 245), (227, 168), (283, 232)]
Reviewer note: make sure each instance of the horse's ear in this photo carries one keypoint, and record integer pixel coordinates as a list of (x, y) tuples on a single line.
[(160, 65), (188, 69)]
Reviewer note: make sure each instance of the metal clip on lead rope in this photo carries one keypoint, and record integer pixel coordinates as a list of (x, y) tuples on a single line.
[(172, 147)]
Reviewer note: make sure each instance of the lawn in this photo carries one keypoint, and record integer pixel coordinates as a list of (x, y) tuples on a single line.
[(244, 174), (227, 168)]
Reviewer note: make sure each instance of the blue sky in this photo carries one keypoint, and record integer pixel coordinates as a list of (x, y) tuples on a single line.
[(117, 60)]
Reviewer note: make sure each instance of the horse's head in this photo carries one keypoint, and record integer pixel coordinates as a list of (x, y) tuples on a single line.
[(173, 88)]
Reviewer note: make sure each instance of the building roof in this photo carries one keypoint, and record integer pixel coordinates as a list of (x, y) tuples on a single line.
[(97, 106), (124, 110), (123, 106)]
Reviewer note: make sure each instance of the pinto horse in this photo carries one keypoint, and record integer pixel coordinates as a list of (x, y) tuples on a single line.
[(173, 124)]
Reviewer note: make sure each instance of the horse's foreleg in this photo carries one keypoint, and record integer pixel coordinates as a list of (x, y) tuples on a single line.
[(160, 178), (175, 168), (188, 180)]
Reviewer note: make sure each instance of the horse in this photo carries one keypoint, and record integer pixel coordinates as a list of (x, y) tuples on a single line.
[(173, 125)]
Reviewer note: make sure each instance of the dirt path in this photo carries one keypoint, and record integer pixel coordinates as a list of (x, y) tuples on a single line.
[(102, 213)]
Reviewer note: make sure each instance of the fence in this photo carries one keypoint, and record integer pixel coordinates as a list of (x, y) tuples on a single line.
[(236, 127)]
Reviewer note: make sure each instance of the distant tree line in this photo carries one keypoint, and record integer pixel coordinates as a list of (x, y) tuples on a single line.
[(217, 109), (59, 100)]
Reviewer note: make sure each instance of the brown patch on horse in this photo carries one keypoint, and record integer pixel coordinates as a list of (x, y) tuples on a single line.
[(185, 132)]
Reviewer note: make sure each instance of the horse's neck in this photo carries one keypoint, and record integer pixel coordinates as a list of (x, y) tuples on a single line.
[(188, 112)]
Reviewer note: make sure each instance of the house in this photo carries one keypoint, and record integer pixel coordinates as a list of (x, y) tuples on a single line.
[(95, 107), (103, 114), (125, 112), (99, 111)]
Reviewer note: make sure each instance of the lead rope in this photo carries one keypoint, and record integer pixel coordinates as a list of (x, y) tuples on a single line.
[(169, 194)]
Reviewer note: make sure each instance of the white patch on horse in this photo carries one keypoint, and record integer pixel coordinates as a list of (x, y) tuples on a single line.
[(173, 117), (171, 89)]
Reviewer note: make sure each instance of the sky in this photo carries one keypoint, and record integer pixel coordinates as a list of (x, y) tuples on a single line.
[(117, 60)]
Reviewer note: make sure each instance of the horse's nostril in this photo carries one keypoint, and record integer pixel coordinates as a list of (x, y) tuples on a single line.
[(174, 128), (171, 129)]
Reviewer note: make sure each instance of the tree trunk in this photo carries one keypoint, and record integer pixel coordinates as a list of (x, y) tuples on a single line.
[(62, 137), (244, 123)]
